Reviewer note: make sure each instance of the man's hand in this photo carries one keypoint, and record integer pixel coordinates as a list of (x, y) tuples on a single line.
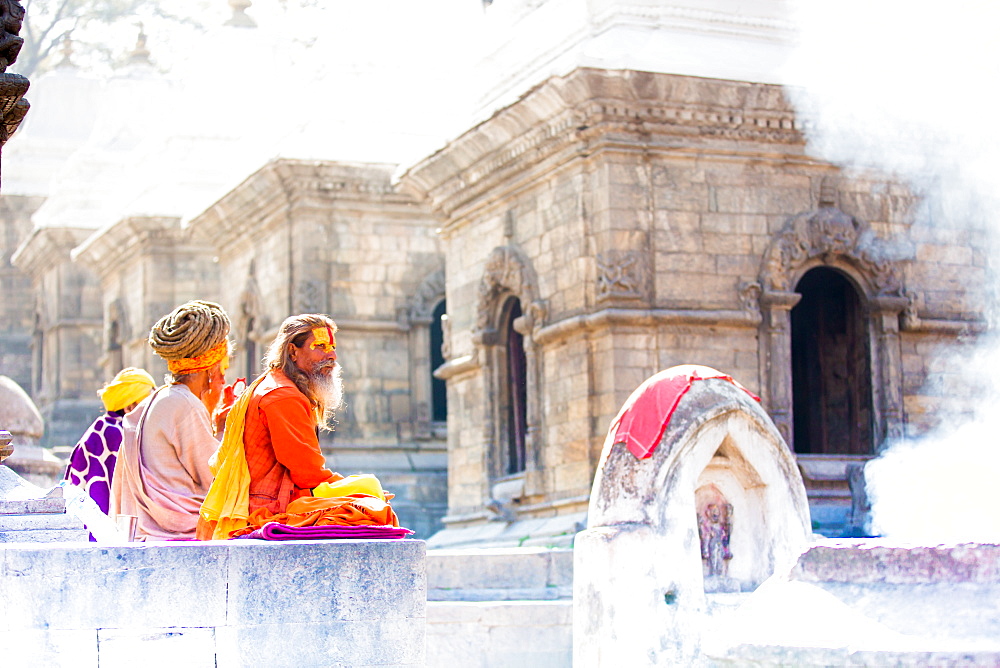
[(229, 395), (231, 392)]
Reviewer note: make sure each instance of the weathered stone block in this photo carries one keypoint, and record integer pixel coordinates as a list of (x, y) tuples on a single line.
[(65, 586), (333, 644), (330, 580), (174, 646), (49, 648)]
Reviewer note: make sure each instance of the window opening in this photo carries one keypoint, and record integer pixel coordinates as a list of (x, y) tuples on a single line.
[(439, 390), (516, 391)]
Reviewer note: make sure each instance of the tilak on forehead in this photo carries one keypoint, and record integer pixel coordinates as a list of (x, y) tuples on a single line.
[(323, 338)]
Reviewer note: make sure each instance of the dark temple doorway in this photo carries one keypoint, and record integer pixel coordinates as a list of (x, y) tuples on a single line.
[(831, 367)]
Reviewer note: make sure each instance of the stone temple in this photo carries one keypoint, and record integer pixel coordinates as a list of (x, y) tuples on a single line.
[(632, 192)]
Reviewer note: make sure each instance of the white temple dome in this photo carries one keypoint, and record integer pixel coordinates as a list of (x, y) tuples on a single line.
[(18, 413)]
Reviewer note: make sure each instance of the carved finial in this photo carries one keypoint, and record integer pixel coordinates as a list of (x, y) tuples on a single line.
[(239, 19), (11, 19), (827, 192), (6, 449), (140, 54), (508, 225), (67, 52)]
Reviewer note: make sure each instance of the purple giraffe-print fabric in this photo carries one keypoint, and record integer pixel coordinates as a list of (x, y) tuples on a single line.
[(92, 462)]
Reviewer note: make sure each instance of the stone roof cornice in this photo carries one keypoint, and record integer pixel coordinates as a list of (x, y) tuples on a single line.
[(590, 110), (265, 198), (127, 239), (44, 245)]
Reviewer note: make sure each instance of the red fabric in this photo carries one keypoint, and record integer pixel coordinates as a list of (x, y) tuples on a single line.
[(282, 449), (644, 417)]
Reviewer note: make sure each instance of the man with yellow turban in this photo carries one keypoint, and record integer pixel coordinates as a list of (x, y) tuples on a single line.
[(92, 462), (163, 472)]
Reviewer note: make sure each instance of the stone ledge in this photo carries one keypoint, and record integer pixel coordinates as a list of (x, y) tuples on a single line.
[(217, 603), (501, 613), (867, 561), (500, 574)]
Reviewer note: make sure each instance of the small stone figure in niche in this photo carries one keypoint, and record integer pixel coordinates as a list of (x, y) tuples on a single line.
[(714, 527)]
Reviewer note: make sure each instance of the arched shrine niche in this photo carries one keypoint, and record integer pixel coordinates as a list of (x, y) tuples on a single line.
[(507, 314), (428, 341), (251, 327), (829, 262), (116, 334)]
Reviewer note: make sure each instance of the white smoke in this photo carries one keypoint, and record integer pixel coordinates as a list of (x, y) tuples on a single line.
[(909, 88), (333, 80)]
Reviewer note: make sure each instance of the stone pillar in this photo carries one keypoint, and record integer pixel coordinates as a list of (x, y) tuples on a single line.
[(777, 358), (887, 367)]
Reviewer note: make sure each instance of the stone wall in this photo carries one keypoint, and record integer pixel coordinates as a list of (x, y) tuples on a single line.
[(233, 603), (147, 266), (306, 237), (66, 334), (17, 308), (647, 220)]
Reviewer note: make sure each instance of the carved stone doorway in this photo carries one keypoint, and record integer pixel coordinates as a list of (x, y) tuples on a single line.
[(831, 367)]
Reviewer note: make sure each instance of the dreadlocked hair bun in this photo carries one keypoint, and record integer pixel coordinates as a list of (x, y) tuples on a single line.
[(189, 330)]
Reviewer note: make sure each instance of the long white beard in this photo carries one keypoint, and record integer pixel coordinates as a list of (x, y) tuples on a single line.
[(328, 388)]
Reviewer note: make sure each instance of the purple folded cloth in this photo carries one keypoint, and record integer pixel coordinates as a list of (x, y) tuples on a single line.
[(277, 531)]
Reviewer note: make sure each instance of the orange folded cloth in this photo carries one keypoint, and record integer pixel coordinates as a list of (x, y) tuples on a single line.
[(350, 510)]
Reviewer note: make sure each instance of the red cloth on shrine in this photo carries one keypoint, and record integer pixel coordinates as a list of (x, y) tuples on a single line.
[(644, 417)]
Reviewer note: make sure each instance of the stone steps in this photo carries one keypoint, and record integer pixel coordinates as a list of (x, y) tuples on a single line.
[(500, 608)]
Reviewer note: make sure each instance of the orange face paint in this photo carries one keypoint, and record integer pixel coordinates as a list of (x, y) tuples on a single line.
[(323, 338)]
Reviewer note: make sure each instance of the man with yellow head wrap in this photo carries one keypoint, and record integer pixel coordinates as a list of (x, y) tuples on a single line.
[(163, 472), (92, 462)]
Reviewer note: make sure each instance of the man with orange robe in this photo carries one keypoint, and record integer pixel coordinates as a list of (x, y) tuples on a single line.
[(297, 394), (270, 455)]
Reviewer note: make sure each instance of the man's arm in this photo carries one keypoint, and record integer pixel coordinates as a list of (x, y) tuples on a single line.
[(292, 427), (196, 445)]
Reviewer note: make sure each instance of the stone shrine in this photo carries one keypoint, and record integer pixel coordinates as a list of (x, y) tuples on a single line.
[(673, 539)]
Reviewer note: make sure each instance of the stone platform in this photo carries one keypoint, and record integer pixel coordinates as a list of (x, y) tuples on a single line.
[(213, 604), (871, 603)]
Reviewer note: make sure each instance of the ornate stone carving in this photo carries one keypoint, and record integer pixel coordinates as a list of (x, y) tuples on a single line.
[(446, 337), (6, 449), (13, 106), (310, 297), (828, 235), (749, 293), (251, 304), (506, 271), (426, 298), (11, 18), (715, 527), (240, 19), (621, 275), (715, 524)]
